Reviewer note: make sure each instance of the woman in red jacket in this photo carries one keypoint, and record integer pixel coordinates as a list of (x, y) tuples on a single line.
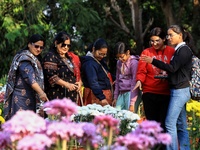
[(152, 80)]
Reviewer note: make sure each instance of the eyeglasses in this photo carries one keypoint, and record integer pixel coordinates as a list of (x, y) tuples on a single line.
[(170, 35), (64, 45), (38, 46), (155, 41), (101, 54)]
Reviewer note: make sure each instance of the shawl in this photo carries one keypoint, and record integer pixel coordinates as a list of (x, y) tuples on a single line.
[(23, 55), (77, 65)]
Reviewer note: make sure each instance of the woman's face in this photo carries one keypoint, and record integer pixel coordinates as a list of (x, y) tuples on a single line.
[(36, 48), (63, 48), (100, 54), (173, 37), (123, 57), (156, 42)]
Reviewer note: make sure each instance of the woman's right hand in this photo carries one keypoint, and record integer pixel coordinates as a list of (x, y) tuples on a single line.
[(43, 97), (138, 85), (104, 102)]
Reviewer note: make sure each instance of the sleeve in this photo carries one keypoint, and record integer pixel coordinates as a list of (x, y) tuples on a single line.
[(134, 66), (50, 68), (92, 78), (116, 92), (141, 69), (178, 61), (27, 71)]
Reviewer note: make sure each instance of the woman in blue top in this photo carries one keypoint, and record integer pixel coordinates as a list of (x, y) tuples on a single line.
[(95, 75), (25, 85), (176, 122)]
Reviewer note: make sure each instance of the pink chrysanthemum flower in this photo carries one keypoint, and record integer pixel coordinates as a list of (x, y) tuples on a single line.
[(62, 107), (24, 123), (63, 130), (106, 121), (147, 135), (34, 142)]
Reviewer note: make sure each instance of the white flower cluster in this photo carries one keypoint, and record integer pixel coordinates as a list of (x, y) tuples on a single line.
[(95, 110), (2, 88)]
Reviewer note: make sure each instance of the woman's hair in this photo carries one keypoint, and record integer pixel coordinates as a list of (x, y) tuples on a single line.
[(61, 37), (121, 48), (100, 43), (157, 31), (35, 38), (187, 37), (89, 48)]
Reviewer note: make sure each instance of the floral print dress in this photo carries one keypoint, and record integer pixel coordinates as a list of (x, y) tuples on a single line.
[(56, 68), (24, 71)]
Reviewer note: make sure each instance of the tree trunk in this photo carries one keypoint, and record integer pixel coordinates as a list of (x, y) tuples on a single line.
[(166, 6)]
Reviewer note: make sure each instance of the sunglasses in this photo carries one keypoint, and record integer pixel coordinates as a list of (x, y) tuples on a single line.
[(38, 46), (64, 45)]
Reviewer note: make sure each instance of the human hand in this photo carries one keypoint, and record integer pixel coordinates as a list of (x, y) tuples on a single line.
[(104, 102), (114, 103), (43, 97), (138, 85), (79, 84), (146, 59), (71, 86)]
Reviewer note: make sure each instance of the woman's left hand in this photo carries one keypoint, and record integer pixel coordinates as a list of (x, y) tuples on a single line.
[(79, 84), (146, 59)]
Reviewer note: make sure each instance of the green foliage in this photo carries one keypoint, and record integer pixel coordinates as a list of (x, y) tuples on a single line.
[(84, 20), (3, 80)]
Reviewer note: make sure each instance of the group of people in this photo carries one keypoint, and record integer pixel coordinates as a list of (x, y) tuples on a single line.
[(60, 73)]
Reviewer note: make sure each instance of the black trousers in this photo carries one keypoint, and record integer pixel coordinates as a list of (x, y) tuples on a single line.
[(155, 107)]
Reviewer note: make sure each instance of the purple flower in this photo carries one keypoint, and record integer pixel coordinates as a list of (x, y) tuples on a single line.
[(34, 142), (24, 123), (62, 107), (4, 139), (164, 138), (90, 135), (149, 127)]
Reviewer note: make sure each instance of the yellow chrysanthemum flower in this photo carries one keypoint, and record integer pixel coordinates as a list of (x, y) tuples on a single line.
[(198, 114), (0, 112), (2, 120), (190, 118), (194, 129)]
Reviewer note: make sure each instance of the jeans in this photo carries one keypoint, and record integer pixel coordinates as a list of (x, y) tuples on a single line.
[(123, 101), (176, 122)]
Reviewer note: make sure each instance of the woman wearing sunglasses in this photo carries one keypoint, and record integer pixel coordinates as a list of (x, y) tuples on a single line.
[(95, 75), (25, 79), (61, 69)]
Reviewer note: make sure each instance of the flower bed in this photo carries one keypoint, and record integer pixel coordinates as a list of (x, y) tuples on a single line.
[(128, 120), (27, 130)]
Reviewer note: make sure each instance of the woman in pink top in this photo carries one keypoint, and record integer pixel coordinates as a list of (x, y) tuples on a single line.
[(125, 77)]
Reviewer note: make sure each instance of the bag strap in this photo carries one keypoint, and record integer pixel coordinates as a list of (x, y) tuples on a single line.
[(105, 73)]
